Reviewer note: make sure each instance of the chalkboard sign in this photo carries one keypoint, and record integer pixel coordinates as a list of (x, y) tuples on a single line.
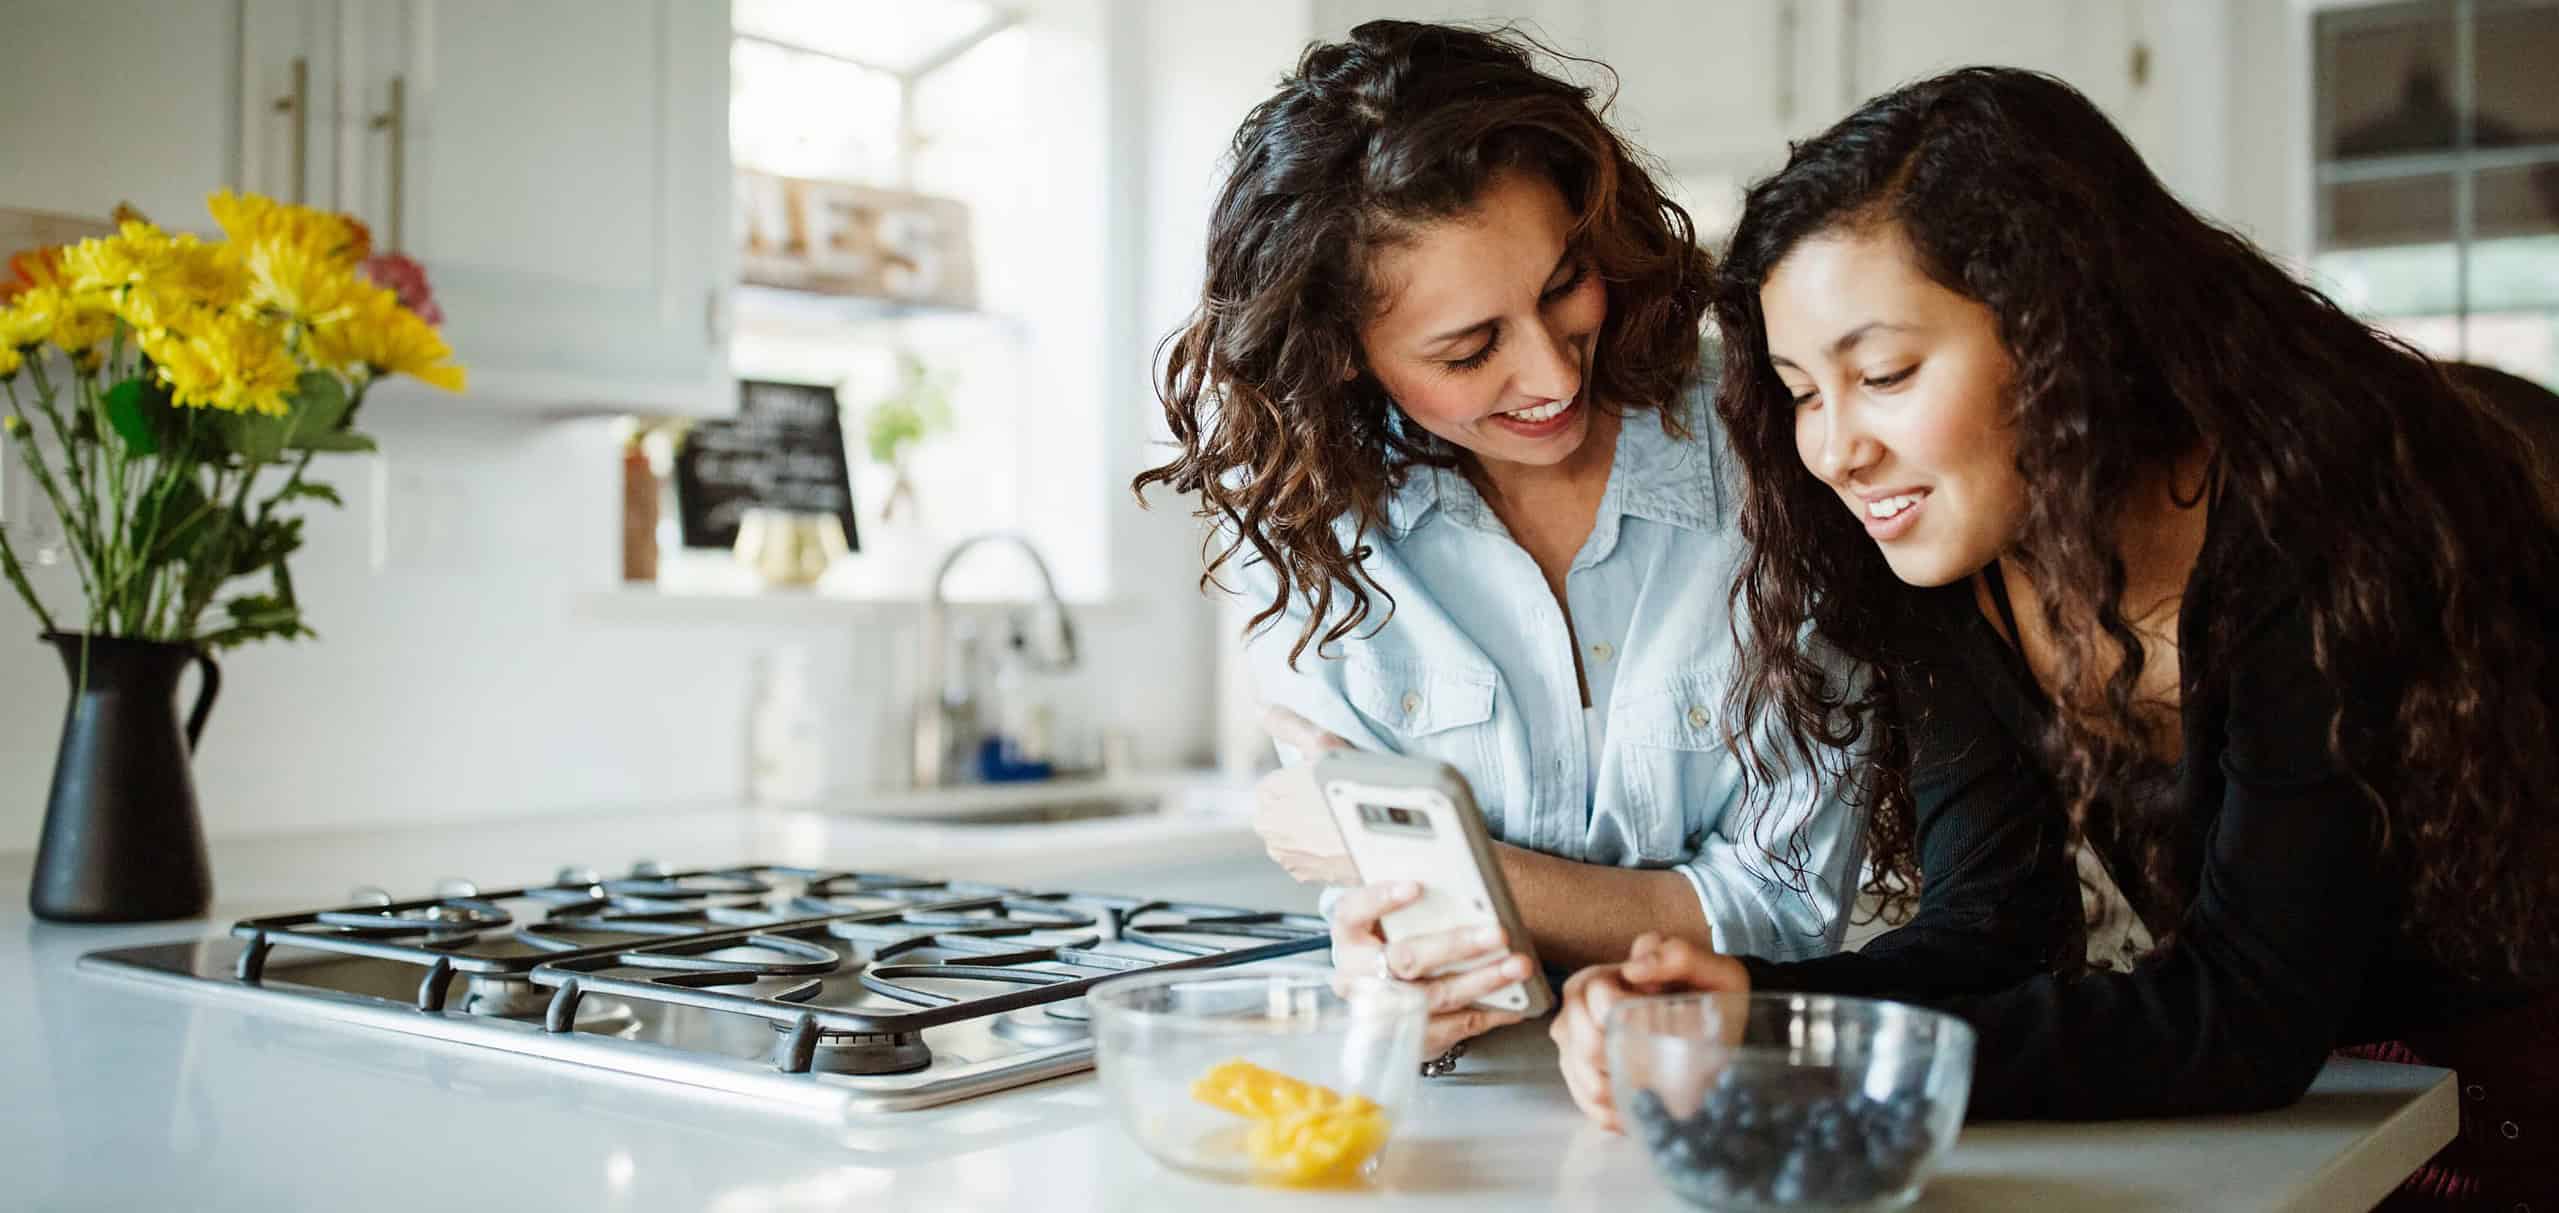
[(784, 449)]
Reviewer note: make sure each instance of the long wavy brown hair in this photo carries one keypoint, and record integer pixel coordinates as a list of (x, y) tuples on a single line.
[(2139, 332), (1283, 432)]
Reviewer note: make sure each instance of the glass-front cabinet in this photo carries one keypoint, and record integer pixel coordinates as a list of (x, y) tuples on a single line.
[(2436, 129)]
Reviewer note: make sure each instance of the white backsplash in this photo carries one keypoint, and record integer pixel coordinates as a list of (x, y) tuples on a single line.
[(455, 680)]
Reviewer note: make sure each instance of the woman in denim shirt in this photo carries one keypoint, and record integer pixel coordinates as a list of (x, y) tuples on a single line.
[(1443, 399)]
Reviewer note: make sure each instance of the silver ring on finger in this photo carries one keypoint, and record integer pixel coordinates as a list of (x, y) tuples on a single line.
[(1446, 1063)]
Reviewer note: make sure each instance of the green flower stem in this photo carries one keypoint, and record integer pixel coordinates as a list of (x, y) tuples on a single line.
[(201, 595), (266, 508), (164, 582), (18, 577), (49, 398), (26, 444), (106, 514), (132, 574)]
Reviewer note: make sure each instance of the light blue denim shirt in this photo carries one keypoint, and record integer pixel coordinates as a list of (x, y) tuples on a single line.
[(1475, 669)]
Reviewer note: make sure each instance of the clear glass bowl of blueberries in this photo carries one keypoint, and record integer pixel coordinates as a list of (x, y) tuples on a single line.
[(1789, 1101)]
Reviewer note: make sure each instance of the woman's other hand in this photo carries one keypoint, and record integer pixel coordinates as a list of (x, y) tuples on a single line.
[(1657, 964), (1288, 809)]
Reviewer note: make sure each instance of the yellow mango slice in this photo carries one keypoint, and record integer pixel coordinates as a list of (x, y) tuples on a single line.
[(1302, 1134)]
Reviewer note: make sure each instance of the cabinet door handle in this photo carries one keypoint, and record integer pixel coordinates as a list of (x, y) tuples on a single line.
[(1787, 45), (298, 104), (395, 121)]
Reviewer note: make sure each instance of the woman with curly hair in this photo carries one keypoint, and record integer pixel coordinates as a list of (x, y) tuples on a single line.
[(2154, 551), (1443, 399)]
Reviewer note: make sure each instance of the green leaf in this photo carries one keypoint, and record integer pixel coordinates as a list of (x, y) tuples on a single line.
[(126, 412), (264, 544), (259, 611), (339, 442), (312, 489), (254, 437), (258, 615), (319, 413), (179, 518)]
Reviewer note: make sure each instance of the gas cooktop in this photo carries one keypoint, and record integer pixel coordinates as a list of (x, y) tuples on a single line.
[(810, 989)]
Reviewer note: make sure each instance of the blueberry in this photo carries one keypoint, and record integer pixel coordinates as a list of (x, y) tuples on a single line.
[(1680, 1152), (1793, 1182)]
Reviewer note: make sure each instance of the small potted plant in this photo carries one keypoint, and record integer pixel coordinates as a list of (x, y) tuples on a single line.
[(169, 396), (919, 409)]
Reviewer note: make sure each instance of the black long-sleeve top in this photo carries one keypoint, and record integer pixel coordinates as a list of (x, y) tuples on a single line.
[(2291, 941)]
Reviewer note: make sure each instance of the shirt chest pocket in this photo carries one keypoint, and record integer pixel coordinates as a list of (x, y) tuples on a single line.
[(1673, 765), (1428, 711)]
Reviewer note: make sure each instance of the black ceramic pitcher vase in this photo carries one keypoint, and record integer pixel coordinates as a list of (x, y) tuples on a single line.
[(122, 842)]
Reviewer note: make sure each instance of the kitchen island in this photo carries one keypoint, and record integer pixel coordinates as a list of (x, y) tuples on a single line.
[(127, 1096)]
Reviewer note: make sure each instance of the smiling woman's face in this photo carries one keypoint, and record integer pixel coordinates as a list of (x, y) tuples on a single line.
[(1490, 319), (1900, 389)]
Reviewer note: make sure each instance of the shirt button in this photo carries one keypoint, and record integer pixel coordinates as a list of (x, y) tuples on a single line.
[(1697, 717), (1602, 651), (1412, 702)]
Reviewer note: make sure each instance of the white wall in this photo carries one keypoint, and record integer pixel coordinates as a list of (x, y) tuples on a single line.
[(451, 684), (460, 679)]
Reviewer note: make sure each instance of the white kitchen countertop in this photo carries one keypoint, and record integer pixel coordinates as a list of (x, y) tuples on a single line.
[(124, 1096)]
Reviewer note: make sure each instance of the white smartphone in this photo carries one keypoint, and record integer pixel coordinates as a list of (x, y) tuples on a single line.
[(1415, 819)]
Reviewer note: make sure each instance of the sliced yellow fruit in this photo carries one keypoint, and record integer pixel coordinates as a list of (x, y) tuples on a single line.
[(1302, 1134)]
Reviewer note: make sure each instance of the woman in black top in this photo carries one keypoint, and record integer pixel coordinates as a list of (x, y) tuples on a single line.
[(2156, 552)]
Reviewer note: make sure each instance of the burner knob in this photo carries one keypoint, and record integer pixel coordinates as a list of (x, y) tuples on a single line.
[(578, 877), (455, 886), (368, 895), (648, 868)]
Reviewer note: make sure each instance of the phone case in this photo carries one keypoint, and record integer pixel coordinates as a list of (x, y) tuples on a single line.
[(1415, 819)]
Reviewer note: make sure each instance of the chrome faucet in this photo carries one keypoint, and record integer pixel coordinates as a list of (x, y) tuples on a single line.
[(938, 715)]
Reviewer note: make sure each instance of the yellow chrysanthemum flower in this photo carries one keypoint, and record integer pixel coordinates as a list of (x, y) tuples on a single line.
[(151, 279), (231, 361), (250, 219), (20, 328), (77, 321), (300, 262), (300, 277), (376, 333), (110, 263)]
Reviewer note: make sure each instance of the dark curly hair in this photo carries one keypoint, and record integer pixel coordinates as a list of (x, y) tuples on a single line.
[(1283, 431), (2138, 333)]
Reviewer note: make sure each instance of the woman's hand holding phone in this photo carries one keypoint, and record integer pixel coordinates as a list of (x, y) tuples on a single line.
[(1360, 950)]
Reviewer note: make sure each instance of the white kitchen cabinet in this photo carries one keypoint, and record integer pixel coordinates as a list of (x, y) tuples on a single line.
[(287, 100), (1554, 20), (561, 168), (2102, 47), (1706, 89), (562, 171), (130, 101)]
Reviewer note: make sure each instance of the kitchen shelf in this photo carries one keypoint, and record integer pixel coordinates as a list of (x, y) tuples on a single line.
[(772, 308), (649, 606)]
